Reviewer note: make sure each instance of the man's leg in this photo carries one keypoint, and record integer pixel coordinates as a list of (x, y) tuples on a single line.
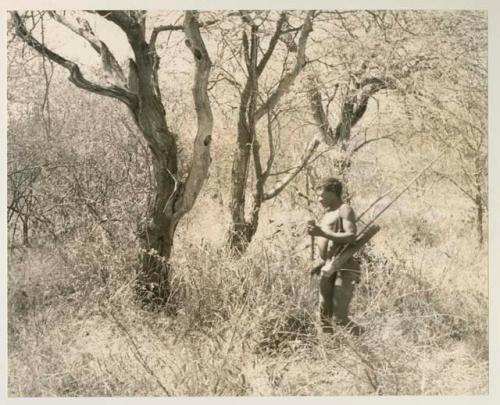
[(326, 285), (342, 295)]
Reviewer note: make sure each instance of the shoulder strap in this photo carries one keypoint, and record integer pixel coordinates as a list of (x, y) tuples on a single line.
[(339, 224)]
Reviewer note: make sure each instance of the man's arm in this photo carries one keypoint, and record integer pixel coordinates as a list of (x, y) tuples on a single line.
[(323, 248)]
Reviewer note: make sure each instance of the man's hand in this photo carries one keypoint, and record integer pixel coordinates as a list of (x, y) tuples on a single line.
[(314, 230), (316, 268)]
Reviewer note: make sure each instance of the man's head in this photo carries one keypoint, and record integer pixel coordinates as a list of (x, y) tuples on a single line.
[(329, 192)]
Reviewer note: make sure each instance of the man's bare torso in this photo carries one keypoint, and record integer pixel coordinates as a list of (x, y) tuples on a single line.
[(328, 249)]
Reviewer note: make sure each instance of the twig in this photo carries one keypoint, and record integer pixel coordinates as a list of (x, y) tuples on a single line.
[(400, 193), (138, 355)]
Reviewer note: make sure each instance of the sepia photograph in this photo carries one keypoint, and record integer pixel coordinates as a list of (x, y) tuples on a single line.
[(238, 202)]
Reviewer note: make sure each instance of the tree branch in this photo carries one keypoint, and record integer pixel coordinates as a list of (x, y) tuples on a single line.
[(173, 27), (121, 18), (319, 114), (367, 141), (84, 30), (76, 76), (449, 178), (246, 51), (198, 171), (253, 79), (353, 109), (272, 44), (132, 24), (308, 152), (270, 159), (289, 78)]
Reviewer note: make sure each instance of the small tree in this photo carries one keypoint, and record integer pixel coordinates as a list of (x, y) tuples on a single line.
[(451, 105), (255, 39)]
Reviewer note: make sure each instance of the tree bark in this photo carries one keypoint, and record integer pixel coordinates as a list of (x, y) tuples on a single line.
[(240, 231), (25, 221), (479, 215), (157, 236)]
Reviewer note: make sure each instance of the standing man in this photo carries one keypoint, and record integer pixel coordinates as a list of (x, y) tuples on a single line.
[(336, 229)]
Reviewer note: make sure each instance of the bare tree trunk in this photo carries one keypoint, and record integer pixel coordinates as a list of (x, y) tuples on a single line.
[(157, 236), (25, 221), (479, 216), (478, 199), (154, 278), (238, 238), (240, 229)]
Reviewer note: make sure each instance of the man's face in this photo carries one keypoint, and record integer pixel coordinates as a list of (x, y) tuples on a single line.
[(326, 197)]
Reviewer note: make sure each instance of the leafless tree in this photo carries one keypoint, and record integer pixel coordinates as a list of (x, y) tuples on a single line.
[(257, 42), (454, 112), (139, 90)]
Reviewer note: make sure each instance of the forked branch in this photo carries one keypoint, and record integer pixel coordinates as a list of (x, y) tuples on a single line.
[(287, 81), (76, 76), (83, 29), (306, 157)]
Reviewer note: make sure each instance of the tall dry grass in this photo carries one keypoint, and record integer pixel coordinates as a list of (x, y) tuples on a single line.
[(247, 326)]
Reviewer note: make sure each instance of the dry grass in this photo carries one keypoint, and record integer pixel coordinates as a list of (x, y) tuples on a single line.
[(247, 326)]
